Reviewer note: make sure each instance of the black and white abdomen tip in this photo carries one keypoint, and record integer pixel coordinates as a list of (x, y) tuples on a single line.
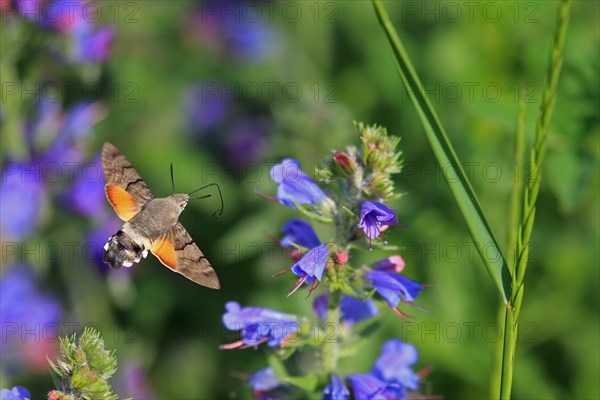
[(122, 251)]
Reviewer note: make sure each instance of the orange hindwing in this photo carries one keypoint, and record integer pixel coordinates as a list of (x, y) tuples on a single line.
[(124, 204), (163, 249)]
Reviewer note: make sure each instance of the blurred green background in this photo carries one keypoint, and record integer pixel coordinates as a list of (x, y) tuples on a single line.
[(223, 102)]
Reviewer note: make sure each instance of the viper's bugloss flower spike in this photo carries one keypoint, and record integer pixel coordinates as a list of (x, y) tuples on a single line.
[(295, 187), (394, 364), (16, 393), (84, 366), (353, 310), (367, 386), (373, 216), (257, 325), (394, 288), (300, 233), (336, 390)]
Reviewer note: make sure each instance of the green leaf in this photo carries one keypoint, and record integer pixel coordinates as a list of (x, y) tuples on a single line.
[(442, 148)]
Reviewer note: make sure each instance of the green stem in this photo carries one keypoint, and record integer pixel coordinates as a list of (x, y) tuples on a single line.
[(530, 194), (331, 348), (513, 230), (511, 324)]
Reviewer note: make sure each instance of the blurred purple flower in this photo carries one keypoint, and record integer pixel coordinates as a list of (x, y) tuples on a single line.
[(299, 232), (87, 196), (310, 267), (23, 194), (77, 123), (266, 386), (17, 393), (93, 45), (45, 124), (28, 317), (257, 325), (367, 387), (136, 381), (373, 215), (61, 15), (394, 288), (246, 141), (295, 185), (206, 105), (336, 390), (394, 364), (30, 9), (218, 26), (353, 310), (264, 380)]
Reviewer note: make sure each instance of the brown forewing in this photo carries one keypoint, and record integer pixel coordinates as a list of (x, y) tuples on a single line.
[(118, 171)]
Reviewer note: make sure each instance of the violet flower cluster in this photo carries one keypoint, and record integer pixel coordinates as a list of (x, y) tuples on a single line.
[(47, 171), (353, 193)]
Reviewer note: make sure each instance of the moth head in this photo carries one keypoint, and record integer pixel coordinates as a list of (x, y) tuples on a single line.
[(180, 200)]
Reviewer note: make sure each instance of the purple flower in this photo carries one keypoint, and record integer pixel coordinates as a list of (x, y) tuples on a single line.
[(295, 185), (368, 387), (390, 264), (353, 310), (24, 196), (301, 233), (61, 15), (266, 386), (336, 390), (394, 364), (373, 216), (207, 105), (17, 393), (213, 26), (86, 196), (264, 380), (257, 325), (311, 266), (93, 45), (247, 141), (78, 123), (136, 382), (394, 288), (30, 9), (25, 311)]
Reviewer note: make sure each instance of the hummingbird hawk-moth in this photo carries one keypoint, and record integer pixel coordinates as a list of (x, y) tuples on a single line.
[(151, 224)]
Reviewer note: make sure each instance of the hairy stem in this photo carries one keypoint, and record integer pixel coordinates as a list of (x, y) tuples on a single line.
[(331, 348)]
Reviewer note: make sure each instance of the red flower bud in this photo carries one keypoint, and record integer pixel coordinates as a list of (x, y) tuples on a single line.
[(345, 161)]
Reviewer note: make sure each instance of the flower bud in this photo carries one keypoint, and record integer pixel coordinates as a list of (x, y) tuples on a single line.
[(343, 160)]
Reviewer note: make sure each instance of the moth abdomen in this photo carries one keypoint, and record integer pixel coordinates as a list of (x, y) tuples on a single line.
[(123, 251)]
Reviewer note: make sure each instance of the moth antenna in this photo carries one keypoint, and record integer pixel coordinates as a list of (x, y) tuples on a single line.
[(172, 179), (219, 211)]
